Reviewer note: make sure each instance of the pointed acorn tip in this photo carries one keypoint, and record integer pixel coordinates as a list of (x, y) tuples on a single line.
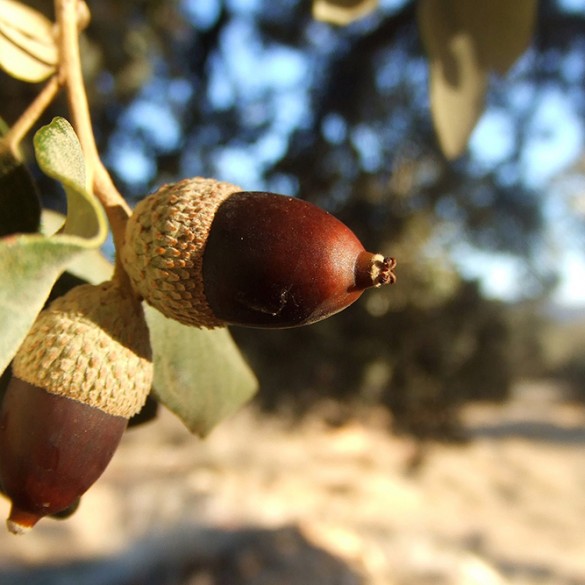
[(374, 270), (385, 266), (20, 521)]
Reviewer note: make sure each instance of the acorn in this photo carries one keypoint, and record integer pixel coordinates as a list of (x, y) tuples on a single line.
[(207, 254), (83, 370)]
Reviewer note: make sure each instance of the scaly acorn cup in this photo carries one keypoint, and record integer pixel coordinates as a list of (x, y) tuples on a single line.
[(206, 253), (83, 370)]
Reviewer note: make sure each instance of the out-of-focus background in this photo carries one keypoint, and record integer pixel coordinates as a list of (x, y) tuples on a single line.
[(434, 431)]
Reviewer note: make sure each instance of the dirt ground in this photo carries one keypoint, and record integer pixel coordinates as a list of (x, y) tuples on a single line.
[(320, 505)]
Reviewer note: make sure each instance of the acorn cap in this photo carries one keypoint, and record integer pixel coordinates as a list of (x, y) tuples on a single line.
[(165, 242), (91, 345)]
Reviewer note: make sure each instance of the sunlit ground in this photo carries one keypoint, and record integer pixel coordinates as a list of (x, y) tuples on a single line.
[(506, 508)]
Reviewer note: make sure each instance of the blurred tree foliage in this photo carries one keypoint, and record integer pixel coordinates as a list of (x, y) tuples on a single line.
[(259, 93)]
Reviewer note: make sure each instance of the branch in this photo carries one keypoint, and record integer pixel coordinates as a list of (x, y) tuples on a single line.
[(99, 181), (31, 115)]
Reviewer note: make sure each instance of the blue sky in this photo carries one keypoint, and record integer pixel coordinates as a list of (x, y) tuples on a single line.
[(556, 143)]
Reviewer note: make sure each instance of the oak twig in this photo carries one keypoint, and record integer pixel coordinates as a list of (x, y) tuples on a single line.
[(99, 180), (30, 116)]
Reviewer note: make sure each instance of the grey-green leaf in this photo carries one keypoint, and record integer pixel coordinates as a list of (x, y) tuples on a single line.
[(29, 264), (28, 50), (199, 374), (59, 155), (342, 12), (501, 30), (90, 265), (458, 81)]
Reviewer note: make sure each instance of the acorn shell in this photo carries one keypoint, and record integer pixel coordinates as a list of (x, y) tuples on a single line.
[(165, 241), (52, 450), (277, 261), (91, 345)]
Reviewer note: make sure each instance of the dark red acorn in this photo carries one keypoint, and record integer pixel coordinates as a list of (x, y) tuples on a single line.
[(52, 449), (82, 371), (276, 261), (208, 254)]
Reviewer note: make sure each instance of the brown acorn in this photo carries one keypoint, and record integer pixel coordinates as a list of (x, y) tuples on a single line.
[(208, 254), (82, 371)]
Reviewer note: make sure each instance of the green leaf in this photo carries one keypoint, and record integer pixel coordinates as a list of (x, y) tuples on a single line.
[(90, 265), (458, 81), (59, 155), (27, 42), (30, 264), (19, 200), (199, 374), (501, 30), (465, 40), (342, 12)]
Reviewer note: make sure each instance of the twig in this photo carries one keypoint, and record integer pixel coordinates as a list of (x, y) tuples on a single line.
[(70, 63), (99, 180), (31, 115)]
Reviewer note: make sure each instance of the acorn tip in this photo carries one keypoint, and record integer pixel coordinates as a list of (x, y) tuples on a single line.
[(20, 521), (386, 274)]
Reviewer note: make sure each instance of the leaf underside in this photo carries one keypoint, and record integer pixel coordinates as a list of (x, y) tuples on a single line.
[(466, 40), (199, 374), (342, 12), (31, 263), (28, 50)]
